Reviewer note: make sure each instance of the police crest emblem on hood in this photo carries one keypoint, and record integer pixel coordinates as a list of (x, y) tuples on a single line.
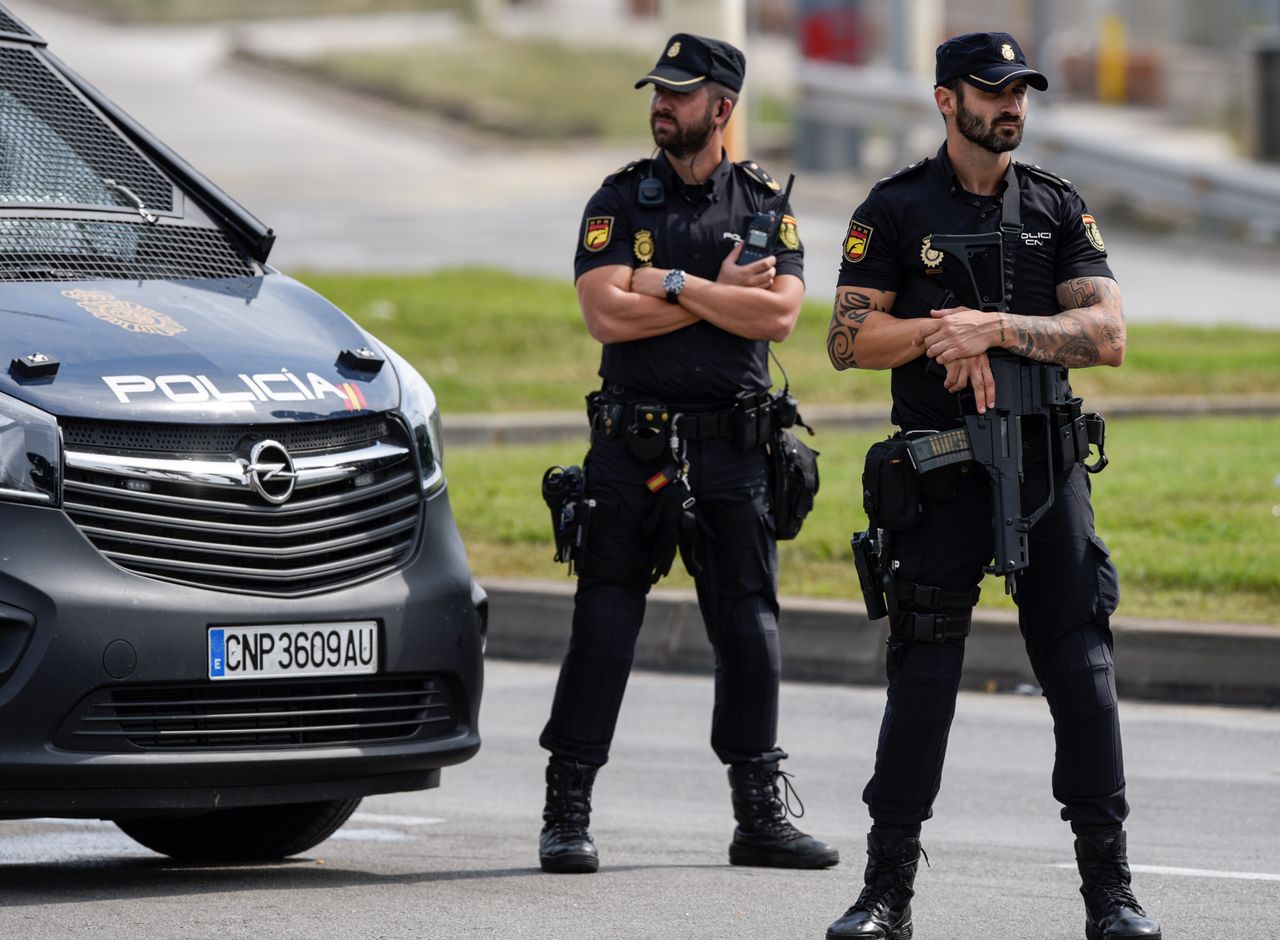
[(125, 313)]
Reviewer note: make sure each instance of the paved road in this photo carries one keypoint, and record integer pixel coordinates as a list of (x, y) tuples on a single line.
[(351, 186), (459, 861)]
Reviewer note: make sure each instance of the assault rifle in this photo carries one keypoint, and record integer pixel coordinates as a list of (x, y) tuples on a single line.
[(1030, 397)]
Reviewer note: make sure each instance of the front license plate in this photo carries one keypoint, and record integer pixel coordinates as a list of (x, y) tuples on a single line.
[(303, 649)]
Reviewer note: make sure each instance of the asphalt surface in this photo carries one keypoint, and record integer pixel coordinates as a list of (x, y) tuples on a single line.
[(351, 185), (460, 861)]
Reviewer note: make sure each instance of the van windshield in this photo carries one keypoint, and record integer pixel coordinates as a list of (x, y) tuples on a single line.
[(56, 150)]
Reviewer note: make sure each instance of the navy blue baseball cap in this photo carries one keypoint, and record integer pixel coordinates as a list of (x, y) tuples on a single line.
[(689, 62), (989, 61)]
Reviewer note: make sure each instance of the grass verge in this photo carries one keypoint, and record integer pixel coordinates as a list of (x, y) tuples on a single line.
[(493, 341), (1188, 507)]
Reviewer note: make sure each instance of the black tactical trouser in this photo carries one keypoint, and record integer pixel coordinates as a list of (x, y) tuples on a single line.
[(1065, 600), (737, 594)]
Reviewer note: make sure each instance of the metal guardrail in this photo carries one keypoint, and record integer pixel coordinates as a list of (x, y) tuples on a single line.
[(1126, 164)]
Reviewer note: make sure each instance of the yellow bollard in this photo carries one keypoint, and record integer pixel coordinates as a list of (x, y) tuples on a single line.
[(1112, 58)]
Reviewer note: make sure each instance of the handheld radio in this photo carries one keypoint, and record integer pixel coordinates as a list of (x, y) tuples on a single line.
[(762, 231)]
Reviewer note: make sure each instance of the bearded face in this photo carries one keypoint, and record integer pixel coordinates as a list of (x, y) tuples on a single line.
[(999, 134), (682, 137)]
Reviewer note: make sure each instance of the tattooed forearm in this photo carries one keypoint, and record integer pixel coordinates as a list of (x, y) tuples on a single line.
[(851, 310), (1062, 339), (1088, 331)]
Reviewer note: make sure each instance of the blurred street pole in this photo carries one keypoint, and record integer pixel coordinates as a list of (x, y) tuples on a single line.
[(721, 19), (916, 30)]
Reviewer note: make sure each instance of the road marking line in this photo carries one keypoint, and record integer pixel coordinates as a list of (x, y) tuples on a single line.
[(391, 820), (1195, 872)]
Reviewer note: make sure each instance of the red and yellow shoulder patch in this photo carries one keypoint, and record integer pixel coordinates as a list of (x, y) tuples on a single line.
[(857, 241), (597, 233)]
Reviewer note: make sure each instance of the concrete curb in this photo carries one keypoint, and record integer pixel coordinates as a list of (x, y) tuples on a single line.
[(832, 641), (534, 427)]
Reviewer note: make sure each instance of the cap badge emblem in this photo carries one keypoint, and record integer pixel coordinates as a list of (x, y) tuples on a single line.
[(642, 245), (674, 50), (931, 256), (1006, 50)]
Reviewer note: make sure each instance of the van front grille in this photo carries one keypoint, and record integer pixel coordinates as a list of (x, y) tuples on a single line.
[(356, 519), (282, 713)]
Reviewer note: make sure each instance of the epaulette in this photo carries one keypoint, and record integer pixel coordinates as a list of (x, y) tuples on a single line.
[(1045, 174), (758, 173), (908, 170), (635, 166)]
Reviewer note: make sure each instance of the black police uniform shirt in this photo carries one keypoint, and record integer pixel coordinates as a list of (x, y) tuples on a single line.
[(887, 248), (699, 365)]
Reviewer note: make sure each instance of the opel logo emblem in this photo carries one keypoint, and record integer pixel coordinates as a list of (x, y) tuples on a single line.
[(271, 472)]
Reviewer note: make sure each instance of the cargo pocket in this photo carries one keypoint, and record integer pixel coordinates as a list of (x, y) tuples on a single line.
[(1108, 596)]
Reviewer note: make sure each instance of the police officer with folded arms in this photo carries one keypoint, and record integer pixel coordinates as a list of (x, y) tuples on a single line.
[(904, 305), (678, 452)]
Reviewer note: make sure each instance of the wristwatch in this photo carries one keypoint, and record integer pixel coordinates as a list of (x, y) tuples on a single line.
[(673, 282)]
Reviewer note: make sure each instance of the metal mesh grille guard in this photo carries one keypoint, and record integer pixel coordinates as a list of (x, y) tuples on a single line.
[(9, 25), (292, 713), (59, 249), (56, 150)]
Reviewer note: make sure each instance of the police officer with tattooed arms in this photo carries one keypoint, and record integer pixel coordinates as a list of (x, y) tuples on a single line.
[(681, 432), (903, 303)]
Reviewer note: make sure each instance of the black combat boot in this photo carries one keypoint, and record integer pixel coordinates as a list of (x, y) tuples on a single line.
[(1111, 910), (883, 909), (565, 846), (764, 837)]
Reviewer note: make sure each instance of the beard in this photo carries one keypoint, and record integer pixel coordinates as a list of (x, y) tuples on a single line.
[(1000, 136), (682, 142)]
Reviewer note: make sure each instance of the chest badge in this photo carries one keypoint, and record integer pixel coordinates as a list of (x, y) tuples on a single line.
[(857, 241), (931, 256), (789, 234), (1092, 231), (598, 232), (642, 246)]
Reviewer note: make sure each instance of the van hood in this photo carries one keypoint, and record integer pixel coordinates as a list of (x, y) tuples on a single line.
[(252, 350)]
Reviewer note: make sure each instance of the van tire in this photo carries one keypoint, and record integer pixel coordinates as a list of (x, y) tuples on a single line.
[(243, 834)]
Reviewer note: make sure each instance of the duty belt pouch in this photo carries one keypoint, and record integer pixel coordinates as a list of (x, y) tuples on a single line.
[(751, 420), (647, 426), (794, 466), (564, 491), (1071, 443), (890, 486), (604, 415)]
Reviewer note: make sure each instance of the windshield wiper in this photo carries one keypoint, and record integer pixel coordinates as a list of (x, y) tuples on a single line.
[(143, 211)]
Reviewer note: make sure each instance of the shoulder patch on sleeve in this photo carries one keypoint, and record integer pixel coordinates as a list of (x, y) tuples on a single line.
[(1044, 174), (758, 173), (909, 170)]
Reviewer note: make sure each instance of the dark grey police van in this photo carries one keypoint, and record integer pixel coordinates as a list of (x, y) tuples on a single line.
[(233, 599)]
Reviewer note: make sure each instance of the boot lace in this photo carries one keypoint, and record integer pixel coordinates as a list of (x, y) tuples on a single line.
[(891, 886)]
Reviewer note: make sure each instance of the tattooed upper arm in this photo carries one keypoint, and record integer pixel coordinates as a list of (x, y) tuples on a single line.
[(852, 308), (1103, 294)]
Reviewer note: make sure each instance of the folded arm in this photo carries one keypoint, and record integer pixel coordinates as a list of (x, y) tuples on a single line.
[(1088, 331), (615, 313), (750, 300)]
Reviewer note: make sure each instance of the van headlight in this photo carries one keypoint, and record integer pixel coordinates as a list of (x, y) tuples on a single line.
[(30, 458), (419, 407)]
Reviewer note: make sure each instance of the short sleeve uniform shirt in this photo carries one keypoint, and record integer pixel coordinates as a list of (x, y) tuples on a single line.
[(887, 248), (699, 365)]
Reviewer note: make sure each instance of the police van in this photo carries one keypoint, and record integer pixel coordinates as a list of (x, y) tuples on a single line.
[(233, 598)]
